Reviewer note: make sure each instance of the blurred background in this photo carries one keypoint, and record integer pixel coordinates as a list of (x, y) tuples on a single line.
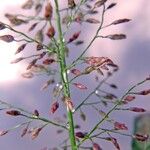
[(132, 55)]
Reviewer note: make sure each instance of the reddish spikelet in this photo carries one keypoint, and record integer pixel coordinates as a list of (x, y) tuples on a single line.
[(113, 86), (141, 137), (120, 126), (96, 147), (33, 26), (69, 104), (99, 3), (20, 48), (42, 55), (2, 26), (3, 132), (116, 36), (14, 20), (144, 92), (13, 112), (136, 109), (71, 4), (79, 18), (36, 113), (114, 141), (80, 86), (45, 86), (48, 11), (24, 132), (54, 107), (120, 21), (98, 61), (51, 32), (76, 72), (129, 98), (39, 47), (92, 20), (31, 64), (111, 5), (79, 135), (35, 133), (48, 61), (74, 36), (7, 38), (148, 78)]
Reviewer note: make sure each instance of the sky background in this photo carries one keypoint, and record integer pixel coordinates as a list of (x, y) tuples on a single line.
[(132, 55)]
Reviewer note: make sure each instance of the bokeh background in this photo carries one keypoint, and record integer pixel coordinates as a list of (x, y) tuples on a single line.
[(132, 55)]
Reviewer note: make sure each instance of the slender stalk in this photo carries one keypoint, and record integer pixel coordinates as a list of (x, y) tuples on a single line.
[(31, 116), (110, 111), (92, 41), (64, 76)]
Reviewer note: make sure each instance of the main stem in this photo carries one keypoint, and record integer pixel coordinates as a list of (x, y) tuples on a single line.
[(64, 76)]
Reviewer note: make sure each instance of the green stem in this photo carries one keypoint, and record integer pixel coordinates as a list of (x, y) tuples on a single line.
[(64, 76)]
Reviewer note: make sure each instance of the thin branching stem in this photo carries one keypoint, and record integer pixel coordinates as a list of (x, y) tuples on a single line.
[(93, 92), (91, 42), (26, 36), (110, 111), (30, 115)]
